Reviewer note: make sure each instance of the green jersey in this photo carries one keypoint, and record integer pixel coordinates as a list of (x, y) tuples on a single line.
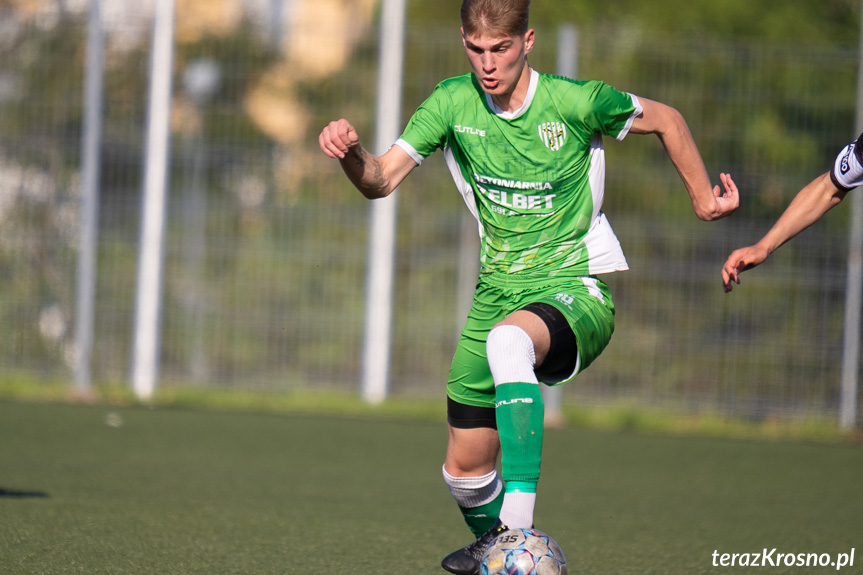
[(534, 179)]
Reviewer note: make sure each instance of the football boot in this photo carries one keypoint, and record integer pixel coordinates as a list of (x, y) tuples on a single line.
[(466, 561)]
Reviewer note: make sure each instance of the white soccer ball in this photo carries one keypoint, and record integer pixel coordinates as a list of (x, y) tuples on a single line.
[(523, 552)]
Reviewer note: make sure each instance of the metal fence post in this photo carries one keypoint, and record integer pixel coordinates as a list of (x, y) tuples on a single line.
[(89, 225), (567, 65), (145, 360), (377, 337), (854, 286)]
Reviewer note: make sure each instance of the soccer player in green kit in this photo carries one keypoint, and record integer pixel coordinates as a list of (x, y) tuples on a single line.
[(525, 151)]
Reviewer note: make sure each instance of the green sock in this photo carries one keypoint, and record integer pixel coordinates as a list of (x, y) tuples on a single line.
[(520, 414), (481, 519)]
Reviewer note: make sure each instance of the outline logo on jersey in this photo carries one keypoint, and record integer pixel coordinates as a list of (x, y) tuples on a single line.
[(552, 134), (468, 130)]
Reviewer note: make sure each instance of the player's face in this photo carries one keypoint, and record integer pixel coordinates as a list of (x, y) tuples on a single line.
[(499, 63)]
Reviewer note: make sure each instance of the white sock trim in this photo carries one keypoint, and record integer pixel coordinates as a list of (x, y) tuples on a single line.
[(473, 491), (511, 356)]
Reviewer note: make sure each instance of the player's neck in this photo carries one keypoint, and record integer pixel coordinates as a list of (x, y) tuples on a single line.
[(513, 101)]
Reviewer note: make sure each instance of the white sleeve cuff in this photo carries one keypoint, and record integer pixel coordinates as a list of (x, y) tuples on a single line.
[(410, 150)]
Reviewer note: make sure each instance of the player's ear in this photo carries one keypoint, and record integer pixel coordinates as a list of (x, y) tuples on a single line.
[(529, 37), (463, 40)]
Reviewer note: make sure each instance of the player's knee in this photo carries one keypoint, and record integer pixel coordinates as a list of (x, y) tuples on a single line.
[(511, 355)]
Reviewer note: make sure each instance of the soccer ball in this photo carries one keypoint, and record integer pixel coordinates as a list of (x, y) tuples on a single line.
[(523, 552)]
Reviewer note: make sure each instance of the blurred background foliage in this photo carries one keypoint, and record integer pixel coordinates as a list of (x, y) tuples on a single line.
[(266, 248), (799, 22)]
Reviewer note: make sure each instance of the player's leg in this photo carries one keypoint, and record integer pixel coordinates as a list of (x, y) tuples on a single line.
[(578, 315), (473, 449), (515, 347), (559, 333), (550, 340), (473, 452), (471, 474), (470, 469)]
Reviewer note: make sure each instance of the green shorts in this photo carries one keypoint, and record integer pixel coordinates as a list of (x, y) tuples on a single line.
[(585, 301)]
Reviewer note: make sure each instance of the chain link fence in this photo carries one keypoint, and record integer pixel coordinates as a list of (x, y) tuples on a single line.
[(266, 240)]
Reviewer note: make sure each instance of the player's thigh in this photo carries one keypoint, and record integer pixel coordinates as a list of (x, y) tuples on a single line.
[(535, 327), (470, 381), (588, 310)]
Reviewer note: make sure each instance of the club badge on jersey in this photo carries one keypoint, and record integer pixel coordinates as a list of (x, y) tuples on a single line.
[(552, 134)]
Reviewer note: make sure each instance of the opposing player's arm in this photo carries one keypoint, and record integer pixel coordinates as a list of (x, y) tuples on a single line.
[(807, 207), (708, 202), (374, 176)]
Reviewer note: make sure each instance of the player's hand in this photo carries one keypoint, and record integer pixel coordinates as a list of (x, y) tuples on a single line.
[(738, 262), (337, 138), (729, 201)]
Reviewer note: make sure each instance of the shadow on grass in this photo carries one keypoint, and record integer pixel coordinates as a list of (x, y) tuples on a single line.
[(15, 494)]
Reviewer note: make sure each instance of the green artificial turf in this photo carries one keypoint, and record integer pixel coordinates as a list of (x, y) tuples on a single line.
[(99, 490)]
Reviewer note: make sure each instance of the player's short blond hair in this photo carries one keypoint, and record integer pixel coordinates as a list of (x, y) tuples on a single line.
[(495, 17)]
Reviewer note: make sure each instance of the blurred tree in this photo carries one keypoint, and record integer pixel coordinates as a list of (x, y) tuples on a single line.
[(824, 23)]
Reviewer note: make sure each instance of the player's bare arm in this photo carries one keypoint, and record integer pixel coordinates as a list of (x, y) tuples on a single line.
[(812, 202), (374, 176), (709, 202)]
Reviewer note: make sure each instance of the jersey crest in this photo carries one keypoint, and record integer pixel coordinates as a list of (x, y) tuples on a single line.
[(552, 134)]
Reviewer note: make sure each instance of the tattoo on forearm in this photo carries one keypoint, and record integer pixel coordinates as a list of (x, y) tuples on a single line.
[(369, 170), (379, 176), (363, 160), (360, 159)]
